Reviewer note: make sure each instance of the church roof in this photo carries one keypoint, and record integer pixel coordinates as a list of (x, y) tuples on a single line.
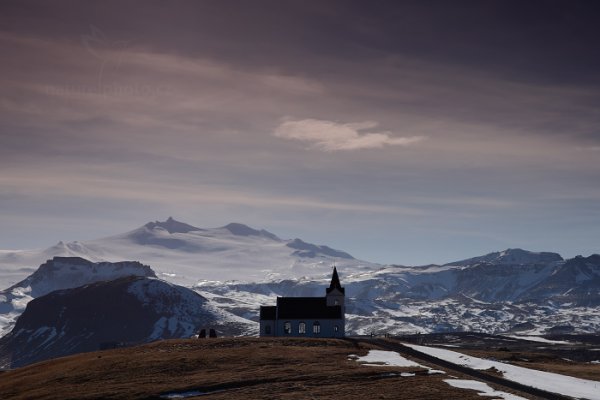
[(306, 308), (268, 312), (335, 282)]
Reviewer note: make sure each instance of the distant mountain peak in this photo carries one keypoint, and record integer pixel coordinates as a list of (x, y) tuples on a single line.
[(310, 250), (172, 226), (512, 257), (66, 272), (238, 229)]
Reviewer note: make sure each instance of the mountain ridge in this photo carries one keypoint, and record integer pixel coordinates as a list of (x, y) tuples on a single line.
[(186, 254), (511, 257), (61, 273), (132, 310), (172, 226), (239, 268)]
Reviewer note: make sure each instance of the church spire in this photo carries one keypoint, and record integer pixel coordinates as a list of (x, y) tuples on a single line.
[(335, 282)]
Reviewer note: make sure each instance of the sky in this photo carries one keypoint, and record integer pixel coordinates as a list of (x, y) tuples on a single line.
[(406, 132)]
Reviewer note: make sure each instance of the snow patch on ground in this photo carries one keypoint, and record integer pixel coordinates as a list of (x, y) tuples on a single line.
[(379, 358), (538, 339), (482, 388), (382, 358), (551, 382)]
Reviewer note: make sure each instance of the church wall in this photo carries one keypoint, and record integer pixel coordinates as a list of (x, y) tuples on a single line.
[(264, 330), (327, 328)]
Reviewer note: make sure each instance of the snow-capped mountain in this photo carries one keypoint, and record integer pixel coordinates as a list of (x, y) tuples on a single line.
[(184, 254), (483, 296), (576, 282), (238, 268), (127, 310), (512, 257), (61, 273), (69, 272)]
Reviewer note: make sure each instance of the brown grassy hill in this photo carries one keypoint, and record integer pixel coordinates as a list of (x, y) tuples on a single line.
[(248, 368)]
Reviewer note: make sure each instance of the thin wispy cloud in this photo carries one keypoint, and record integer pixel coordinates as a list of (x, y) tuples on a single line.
[(333, 136), (588, 148), (127, 189)]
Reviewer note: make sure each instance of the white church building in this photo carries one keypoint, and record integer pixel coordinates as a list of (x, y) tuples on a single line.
[(307, 316)]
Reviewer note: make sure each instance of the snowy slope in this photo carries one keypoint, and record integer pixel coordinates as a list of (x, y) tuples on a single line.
[(185, 254), (61, 273), (127, 310), (240, 268), (16, 265), (512, 257), (484, 297), (551, 382)]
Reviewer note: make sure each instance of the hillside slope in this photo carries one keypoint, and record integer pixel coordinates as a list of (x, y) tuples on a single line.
[(127, 310), (57, 274), (226, 369)]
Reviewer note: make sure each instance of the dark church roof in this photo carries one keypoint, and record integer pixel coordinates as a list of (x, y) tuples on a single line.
[(306, 308), (335, 282), (268, 312)]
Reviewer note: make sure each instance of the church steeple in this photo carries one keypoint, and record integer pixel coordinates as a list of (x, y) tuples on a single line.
[(335, 282)]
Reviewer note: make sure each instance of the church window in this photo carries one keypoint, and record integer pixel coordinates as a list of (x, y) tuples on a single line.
[(268, 329), (301, 327), (336, 302), (316, 328), (287, 327), (336, 328)]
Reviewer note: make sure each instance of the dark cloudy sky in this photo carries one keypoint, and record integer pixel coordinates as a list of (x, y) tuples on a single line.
[(400, 131)]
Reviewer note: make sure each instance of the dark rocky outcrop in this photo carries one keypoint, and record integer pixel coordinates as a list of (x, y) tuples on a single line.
[(124, 311)]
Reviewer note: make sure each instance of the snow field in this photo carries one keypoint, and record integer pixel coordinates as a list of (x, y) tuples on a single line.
[(551, 382), (483, 388), (381, 358), (384, 358)]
